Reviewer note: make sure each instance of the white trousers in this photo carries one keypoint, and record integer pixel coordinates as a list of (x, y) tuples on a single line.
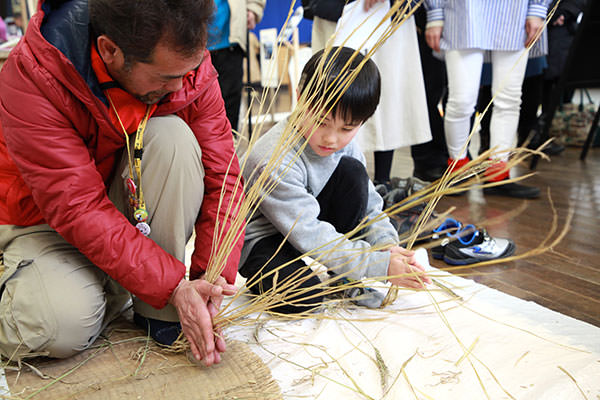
[(464, 75)]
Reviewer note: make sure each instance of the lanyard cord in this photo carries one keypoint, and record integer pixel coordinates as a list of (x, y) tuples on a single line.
[(139, 204)]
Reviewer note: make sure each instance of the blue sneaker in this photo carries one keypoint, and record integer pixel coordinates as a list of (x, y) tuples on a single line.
[(448, 228), (473, 245)]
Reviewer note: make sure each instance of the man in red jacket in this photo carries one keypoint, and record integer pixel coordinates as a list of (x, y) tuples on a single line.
[(114, 146)]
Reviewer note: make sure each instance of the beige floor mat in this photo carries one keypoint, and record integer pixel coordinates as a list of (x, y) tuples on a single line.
[(124, 365)]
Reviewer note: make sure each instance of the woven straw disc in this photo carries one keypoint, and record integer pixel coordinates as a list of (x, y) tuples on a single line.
[(110, 374)]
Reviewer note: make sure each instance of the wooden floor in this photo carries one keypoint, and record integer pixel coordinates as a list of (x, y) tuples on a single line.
[(566, 279)]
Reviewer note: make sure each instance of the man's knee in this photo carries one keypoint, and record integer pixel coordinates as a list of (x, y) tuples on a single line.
[(53, 304), (30, 323), (171, 138), (78, 328)]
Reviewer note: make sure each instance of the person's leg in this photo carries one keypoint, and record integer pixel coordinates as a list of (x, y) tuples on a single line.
[(229, 64), (506, 87), (485, 95), (430, 158), (383, 166), (507, 78), (342, 210), (173, 185), (343, 200), (54, 300), (265, 268), (345, 212), (532, 97), (464, 72)]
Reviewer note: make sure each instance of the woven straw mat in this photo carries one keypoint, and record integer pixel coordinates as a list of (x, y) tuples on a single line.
[(128, 366)]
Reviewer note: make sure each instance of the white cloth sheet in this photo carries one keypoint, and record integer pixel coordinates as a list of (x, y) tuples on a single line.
[(492, 346)]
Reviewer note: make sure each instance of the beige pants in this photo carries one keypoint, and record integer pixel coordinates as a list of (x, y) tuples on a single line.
[(54, 300)]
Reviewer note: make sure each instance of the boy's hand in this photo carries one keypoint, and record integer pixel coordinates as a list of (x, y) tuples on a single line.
[(403, 265)]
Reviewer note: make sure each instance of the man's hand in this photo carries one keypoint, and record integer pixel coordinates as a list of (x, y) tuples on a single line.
[(197, 302), (403, 263), (371, 3), (251, 20), (532, 26), (433, 36)]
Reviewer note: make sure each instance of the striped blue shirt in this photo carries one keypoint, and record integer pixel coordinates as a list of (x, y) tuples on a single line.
[(484, 24)]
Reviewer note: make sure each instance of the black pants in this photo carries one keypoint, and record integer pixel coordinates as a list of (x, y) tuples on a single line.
[(343, 203), (433, 154), (229, 64)]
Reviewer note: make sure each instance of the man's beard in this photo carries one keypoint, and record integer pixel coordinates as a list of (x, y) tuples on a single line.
[(152, 97)]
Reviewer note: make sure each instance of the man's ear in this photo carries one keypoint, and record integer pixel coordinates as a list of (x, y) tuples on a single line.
[(111, 54)]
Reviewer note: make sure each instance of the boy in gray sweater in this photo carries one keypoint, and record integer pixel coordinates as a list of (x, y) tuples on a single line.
[(324, 192)]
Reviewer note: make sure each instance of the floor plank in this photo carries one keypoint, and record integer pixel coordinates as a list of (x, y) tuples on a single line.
[(566, 279)]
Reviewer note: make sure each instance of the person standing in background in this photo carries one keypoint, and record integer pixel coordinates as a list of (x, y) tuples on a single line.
[(465, 30), (429, 158), (324, 14), (401, 118), (227, 45)]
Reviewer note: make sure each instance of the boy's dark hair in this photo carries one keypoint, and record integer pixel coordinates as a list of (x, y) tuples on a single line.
[(360, 99), (136, 26)]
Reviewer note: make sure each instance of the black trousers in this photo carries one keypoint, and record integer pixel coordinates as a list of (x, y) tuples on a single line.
[(433, 154), (229, 64), (343, 203)]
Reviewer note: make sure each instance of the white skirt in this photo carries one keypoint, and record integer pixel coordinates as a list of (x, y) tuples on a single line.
[(401, 118)]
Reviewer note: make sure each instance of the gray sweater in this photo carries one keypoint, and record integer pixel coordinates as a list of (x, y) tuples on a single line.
[(293, 201)]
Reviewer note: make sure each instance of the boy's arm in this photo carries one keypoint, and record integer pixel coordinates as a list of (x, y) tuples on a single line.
[(290, 207)]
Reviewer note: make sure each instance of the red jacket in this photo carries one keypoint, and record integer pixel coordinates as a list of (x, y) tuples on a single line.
[(58, 149)]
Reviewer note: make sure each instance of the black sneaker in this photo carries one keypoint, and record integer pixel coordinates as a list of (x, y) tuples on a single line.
[(513, 189), (473, 245), (163, 332), (448, 228)]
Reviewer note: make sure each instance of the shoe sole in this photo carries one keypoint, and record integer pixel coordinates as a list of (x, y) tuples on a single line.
[(438, 255), (510, 250)]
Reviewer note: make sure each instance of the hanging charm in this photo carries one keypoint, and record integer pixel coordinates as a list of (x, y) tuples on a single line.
[(144, 228), (131, 187), (133, 202), (140, 215)]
